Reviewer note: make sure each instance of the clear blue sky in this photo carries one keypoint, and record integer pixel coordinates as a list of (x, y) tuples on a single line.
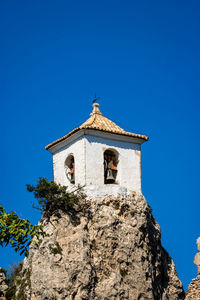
[(143, 59)]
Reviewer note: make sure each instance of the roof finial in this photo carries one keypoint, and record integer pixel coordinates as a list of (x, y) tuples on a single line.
[(95, 105), (95, 109)]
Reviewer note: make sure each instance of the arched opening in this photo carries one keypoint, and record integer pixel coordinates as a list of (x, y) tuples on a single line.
[(70, 168), (110, 166)]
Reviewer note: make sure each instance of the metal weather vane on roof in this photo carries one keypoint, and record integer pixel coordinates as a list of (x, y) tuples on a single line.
[(95, 98)]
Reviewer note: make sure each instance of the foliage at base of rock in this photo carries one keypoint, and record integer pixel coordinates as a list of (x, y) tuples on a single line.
[(17, 282), (11, 280), (3, 283)]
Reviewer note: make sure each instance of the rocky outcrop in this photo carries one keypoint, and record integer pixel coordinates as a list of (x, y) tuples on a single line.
[(193, 292), (197, 257), (110, 249), (3, 284)]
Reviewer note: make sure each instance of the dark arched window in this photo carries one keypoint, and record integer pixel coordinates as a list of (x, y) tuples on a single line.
[(70, 168), (110, 166)]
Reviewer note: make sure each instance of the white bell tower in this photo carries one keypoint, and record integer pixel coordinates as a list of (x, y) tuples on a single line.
[(100, 156)]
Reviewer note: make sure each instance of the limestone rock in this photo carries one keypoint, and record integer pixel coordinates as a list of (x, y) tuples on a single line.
[(197, 257), (198, 244), (193, 292), (3, 284), (111, 250), (197, 261)]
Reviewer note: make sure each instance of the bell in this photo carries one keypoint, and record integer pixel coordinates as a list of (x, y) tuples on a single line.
[(70, 176), (109, 176), (72, 180)]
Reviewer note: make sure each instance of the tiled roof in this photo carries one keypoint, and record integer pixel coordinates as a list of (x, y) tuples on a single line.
[(99, 123)]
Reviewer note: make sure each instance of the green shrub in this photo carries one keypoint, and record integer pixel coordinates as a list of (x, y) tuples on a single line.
[(55, 250), (17, 232), (52, 197)]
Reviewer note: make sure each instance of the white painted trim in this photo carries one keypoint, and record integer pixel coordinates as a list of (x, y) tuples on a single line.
[(67, 141), (96, 133), (113, 136)]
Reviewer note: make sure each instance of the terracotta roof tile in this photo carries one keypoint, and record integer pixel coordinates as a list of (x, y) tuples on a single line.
[(100, 123)]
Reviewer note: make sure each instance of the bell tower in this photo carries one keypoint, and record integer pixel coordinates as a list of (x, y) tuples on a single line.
[(100, 156)]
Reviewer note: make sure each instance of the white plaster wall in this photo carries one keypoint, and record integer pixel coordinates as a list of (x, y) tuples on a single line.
[(88, 150), (77, 148), (129, 166), (98, 191)]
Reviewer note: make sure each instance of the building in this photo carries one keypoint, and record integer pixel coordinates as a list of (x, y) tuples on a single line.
[(100, 156)]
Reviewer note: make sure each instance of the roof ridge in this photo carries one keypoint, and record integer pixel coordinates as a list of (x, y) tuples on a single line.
[(88, 122)]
